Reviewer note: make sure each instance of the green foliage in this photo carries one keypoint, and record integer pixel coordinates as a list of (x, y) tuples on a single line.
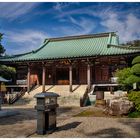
[(132, 79), (122, 75), (134, 43), (136, 60), (134, 114), (2, 50), (134, 96), (128, 76), (7, 72), (136, 69)]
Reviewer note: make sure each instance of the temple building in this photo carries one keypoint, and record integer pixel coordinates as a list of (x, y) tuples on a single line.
[(85, 59)]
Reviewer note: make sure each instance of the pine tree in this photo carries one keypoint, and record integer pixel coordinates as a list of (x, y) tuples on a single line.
[(2, 50)]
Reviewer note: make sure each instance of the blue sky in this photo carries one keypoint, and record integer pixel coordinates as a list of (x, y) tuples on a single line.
[(26, 25)]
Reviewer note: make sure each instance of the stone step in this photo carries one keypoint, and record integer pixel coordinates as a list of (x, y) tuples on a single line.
[(66, 97)]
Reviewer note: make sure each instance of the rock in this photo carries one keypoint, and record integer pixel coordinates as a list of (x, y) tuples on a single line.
[(118, 106)]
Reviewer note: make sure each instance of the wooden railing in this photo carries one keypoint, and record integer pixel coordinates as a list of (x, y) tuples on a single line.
[(14, 97)]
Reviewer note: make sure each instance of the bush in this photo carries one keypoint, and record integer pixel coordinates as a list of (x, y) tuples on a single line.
[(134, 96), (128, 76), (132, 79), (136, 60), (122, 75), (7, 72), (136, 69)]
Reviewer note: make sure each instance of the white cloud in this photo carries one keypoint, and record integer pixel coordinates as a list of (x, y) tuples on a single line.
[(128, 28), (14, 10), (113, 19), (61, 5), (26, 40), (77, 26)]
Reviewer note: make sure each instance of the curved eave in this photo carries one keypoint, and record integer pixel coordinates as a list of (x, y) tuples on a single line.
[(73, 57)]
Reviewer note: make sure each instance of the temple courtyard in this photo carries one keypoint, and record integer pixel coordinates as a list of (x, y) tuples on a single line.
[(71, 122)]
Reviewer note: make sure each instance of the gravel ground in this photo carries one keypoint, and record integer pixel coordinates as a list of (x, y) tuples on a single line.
[(97, 127), (24, 125)]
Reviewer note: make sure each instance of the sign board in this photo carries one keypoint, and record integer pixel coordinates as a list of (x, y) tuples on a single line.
[(134, 85)]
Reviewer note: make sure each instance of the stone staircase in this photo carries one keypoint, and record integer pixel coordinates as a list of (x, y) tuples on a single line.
[(66, 98)]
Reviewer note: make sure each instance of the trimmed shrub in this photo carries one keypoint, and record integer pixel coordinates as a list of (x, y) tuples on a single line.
[(122, 75), (132, 79), (134, 96), (136, 69), (136, 60)]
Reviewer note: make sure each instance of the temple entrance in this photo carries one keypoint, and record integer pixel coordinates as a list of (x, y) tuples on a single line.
[(62, 76), (83, 75), (101, 74), (49, 76)]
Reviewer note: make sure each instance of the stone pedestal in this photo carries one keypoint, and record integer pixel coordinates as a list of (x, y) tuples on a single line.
[(100, 103)]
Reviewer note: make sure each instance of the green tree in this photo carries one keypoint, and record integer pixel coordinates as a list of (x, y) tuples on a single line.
[(5, 71), (2, 50), (134, 43)]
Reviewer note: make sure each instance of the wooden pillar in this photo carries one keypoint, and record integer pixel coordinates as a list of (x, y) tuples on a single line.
[(43, 78), (28, 79), (88, 76), (70, 78)]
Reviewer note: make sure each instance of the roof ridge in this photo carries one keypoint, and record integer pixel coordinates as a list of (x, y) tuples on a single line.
[(82, 36), (45, 43)]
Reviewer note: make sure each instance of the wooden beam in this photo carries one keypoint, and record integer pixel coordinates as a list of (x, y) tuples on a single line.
[(43, 78), (88, 76), (70, 78), (28, 79)]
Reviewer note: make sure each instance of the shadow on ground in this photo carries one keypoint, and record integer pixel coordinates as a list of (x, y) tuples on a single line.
[(75, 88), (64, 110), (134, 124), (49, 88), (109, 133), (68, 126), (24, 114), (27, 114)]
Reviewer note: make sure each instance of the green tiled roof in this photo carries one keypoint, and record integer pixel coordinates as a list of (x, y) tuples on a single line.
[(76, 46)]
